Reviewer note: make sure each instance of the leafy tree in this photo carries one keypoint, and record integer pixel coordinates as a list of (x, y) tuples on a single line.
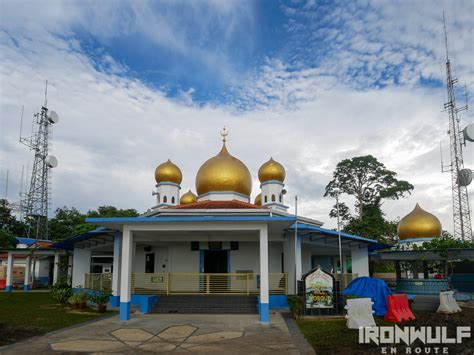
[(110, 211), (368, 180), (10, 227), (373, 225), (68, 222)]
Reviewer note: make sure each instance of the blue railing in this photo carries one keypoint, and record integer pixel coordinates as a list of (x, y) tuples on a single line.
[(422, 286)]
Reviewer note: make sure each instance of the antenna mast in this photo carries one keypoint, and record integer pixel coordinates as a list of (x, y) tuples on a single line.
[(35, 202), (461, 212)]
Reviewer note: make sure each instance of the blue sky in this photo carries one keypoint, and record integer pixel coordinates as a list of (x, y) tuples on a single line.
[(307, 82)]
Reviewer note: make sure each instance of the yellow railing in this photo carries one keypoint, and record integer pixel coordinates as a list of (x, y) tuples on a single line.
[(206, 283), (98, 282)]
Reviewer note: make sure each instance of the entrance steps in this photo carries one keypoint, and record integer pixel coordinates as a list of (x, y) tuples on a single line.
[(206, 304)]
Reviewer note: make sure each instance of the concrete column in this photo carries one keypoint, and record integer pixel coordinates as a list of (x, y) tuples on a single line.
[(26, 283), (125, 273), (8, 285), (289, 261), (415, 270), (69, 267), (56, 268), (264, 306), (298, 258), (360, 261), (82, 266), (115, 300), (425, 269), (398, 270)]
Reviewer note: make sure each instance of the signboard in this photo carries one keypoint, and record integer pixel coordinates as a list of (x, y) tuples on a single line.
[(319, 289), (157, 279)]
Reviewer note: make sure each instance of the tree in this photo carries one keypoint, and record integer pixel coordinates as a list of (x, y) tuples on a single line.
[(110, 211), (368, 180), (10, 227), (373, 225), (68, 222)]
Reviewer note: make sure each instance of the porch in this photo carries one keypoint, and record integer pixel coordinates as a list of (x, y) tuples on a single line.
[(190, 283)]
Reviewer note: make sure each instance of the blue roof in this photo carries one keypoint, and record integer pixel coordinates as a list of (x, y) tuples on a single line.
[(68, 244), (29, 241), (329, 232)]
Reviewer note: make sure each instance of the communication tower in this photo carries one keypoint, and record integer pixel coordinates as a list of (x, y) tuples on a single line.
[(460, 177), (35, 202)]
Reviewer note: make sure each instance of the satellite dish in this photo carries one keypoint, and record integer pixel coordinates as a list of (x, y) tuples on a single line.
[(469, 132), (465, 177), (52, 117), (51, 161)]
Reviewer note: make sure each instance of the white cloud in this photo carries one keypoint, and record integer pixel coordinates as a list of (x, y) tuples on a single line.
[(114, 130)]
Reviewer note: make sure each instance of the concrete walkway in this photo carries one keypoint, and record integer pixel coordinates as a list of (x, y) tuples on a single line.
[(177, 333)]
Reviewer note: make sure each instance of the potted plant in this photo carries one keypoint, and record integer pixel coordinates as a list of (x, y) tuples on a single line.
[(74, 301), (82, 297), (101, 298)]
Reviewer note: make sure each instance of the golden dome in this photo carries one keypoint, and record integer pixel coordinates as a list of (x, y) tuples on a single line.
[(258, 200), (168, 172), (188, 198), (223, 173), (271, 170), (419, 224)]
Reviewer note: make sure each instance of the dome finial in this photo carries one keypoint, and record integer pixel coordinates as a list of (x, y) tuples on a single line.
[(224, 134)]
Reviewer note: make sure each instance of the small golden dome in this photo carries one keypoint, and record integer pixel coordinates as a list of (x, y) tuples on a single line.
[(168, 172), (258, 200), (223, 173), (188, 198), (271, 170), (419, 224)]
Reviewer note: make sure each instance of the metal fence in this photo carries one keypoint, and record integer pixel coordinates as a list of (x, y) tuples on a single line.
[(206, 283), (422, 286), (102, 282)]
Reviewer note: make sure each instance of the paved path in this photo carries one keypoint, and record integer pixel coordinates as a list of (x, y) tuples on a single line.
[(177, 333)]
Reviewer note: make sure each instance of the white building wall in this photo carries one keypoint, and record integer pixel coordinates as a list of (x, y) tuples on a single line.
[(246, 258), (182, 258), (81, 266), (360, 261)]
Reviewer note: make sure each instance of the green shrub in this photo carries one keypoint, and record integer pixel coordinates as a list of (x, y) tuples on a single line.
[(61, 291), (61, 295), (100, 297), (296, 304)]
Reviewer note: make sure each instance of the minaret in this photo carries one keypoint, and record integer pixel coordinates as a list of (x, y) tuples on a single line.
[(272, 175), (168, 178)]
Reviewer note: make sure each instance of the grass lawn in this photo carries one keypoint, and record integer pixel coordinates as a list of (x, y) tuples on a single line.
[(24, 315), (333, 337)]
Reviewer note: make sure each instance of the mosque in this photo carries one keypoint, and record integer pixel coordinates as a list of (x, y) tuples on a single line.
[(215, 242)]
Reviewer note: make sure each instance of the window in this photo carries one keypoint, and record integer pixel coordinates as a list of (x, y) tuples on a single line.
[(172, 199), (273, 198), (266, 199), (158, 195), (280, 198), (165, 199)]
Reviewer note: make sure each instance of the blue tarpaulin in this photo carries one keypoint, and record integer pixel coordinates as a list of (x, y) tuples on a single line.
[(370, 287)]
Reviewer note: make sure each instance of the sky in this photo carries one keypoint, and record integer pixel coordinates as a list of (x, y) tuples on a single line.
[(308, 83)]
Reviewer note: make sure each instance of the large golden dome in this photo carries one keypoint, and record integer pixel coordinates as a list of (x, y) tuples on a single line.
[(223, 173), (188, 198), (258, 200), (271, 170), (419, 224), (168, 172)]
